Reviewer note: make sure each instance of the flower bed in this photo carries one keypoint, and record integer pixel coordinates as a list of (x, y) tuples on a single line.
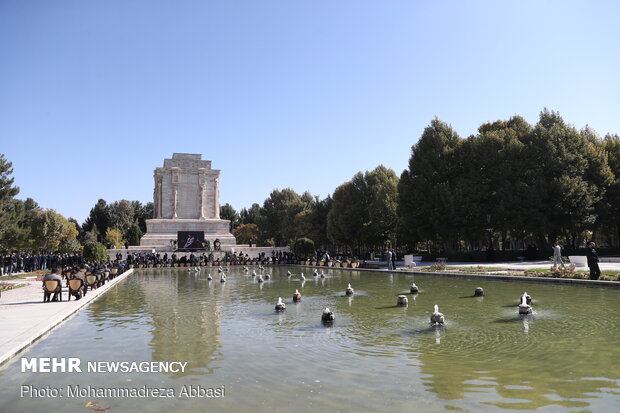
[(5, 286)]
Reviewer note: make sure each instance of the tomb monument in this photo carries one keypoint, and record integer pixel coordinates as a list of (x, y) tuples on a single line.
[(186, 200)]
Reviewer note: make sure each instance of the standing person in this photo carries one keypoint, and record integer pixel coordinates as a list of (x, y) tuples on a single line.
[(393, 259), (592, 255), (557, 255), (9, 264), (389, 260)]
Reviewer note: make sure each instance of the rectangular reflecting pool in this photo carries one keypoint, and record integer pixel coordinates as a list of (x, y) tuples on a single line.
[(240, 355)]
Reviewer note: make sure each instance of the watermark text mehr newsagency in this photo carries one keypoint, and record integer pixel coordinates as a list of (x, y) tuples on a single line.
[(75, 365)]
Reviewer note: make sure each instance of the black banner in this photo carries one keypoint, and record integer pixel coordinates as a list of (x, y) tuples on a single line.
[(191, 241)]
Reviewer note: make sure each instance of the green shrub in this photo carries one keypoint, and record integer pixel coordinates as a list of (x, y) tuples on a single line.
[(134, 234), (95, 251)]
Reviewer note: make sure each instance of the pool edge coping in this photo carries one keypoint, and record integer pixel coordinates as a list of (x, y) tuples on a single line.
[(519, 278)]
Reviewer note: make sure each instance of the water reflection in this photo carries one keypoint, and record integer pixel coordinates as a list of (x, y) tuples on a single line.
[(177, 306), (191, 309)]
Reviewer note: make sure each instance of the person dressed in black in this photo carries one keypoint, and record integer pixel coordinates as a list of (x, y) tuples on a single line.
[(57, 292), (592, 256), (77, 273)]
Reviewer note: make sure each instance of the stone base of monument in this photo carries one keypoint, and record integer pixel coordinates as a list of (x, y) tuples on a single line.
[(160, 232)]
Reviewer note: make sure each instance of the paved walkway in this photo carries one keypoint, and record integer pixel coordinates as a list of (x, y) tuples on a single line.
[(526, 265), (24, 317), (515, 265)]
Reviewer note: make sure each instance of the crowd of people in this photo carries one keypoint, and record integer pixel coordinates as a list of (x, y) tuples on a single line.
[(325, 257), (155, 258), (17, 262)]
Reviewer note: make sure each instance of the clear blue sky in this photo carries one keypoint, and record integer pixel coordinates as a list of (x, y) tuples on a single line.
[(301, 94)]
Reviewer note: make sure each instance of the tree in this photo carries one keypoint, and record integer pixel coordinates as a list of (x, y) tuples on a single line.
[(114, 238), (69, 246), (303, 247), (345, 220), (569, 172), (95, 251), (77, 226), (382, 184), (251, 215), (121, 215), (50, 228), (142, 213), (99, 217), (228, 212), (319, 211), (303, 224), (363, 211), (246, 233), (491, 185), (90, 236), (15, 233), (7, 192), (429, 202), (511, 181), (19, 224), (134, 234), (610, 216), (278, 214)]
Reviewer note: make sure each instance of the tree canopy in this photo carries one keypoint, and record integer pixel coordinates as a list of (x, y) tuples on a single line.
[(364, 210), (7, 207), (512, 181)]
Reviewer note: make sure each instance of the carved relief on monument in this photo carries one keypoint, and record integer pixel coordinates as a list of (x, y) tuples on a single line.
[(175, 190), (186, 188), (202, 181)]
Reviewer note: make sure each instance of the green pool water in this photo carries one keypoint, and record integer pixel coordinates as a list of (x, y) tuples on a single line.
[(375, 356)]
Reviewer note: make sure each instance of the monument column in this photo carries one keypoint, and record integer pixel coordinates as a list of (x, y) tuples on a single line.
[(216, 199), (203, 187), (157, 197), (202, 178), (175, 191), (174, 202)]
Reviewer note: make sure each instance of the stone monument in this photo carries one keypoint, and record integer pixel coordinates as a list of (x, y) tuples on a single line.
[(186, 198)]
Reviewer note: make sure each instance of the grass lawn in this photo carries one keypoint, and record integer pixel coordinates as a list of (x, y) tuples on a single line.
[(536, 272)]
